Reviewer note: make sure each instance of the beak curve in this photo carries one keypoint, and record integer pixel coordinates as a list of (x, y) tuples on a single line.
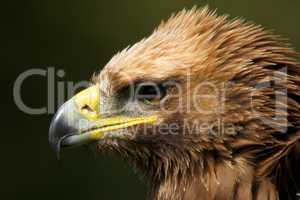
[(78, 121), (65, 123)]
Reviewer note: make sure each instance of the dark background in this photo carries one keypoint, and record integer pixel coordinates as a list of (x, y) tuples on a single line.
[(80, 37)]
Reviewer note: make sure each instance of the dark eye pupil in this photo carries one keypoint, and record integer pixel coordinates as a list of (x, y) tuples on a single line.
[(151, 92)]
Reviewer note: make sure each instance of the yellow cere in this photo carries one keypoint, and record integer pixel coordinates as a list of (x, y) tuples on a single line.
[(87, 102), (120, 122)]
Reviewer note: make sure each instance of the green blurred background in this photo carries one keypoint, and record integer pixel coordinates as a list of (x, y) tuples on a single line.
[(80, 37)]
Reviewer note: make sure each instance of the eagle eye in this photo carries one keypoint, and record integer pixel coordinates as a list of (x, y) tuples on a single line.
[(150, 93)]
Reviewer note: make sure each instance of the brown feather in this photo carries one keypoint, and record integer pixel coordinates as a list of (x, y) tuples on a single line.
[(261, 158)]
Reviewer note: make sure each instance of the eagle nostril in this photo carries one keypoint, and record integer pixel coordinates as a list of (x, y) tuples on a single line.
[(87, 108)]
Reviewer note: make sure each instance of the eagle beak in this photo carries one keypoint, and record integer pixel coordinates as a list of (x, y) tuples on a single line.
[(78, 121)]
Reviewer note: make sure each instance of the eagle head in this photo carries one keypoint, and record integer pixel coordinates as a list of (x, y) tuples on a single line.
[(203, 106)]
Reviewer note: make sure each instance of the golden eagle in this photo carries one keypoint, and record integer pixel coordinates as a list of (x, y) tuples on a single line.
[(205, 108)]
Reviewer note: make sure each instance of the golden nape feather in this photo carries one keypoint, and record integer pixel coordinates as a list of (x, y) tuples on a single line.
[(223, 97)]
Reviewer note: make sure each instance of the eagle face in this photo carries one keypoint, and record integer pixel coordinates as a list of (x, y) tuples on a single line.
[(202, 101), (146, 91)]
